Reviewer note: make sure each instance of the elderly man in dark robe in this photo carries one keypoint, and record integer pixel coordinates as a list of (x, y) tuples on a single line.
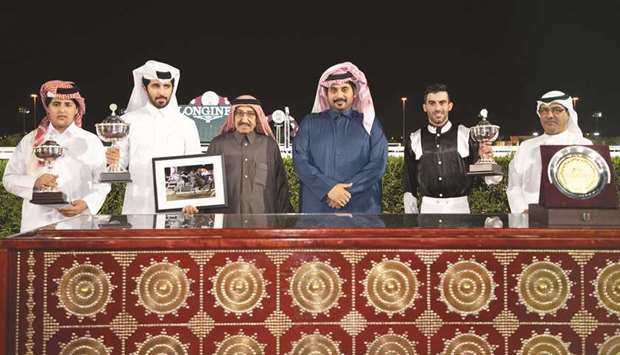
[(256, 181)]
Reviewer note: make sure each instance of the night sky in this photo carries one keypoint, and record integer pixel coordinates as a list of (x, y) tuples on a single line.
[(500, 55)]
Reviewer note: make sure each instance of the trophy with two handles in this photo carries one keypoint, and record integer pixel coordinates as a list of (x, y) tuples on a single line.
[(112, 130), (484, 131)]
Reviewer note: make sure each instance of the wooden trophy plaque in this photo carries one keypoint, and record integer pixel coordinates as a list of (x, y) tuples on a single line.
[(577, 187)]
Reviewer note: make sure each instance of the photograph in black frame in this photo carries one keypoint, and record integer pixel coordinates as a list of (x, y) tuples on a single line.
[(196, 180)]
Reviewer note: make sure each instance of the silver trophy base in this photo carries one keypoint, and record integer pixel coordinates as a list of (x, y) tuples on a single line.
[(49, 198), (115, 177), (116, 222), (485, 169)]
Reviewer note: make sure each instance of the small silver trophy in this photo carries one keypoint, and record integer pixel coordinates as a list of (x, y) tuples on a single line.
[(111, 130), (48, 152), (484, 131)]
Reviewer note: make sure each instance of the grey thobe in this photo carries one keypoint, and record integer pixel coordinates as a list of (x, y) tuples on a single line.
[(255, 178)]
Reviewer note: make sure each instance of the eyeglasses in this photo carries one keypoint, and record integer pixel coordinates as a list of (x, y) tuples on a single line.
[(556, 110), (248, 114)]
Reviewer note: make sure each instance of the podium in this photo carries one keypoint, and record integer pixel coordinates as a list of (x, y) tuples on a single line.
[(277, 284)]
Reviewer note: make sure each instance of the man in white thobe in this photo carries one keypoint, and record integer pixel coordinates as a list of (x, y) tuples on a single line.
[(559, 122), (157, 129), (76, 173)]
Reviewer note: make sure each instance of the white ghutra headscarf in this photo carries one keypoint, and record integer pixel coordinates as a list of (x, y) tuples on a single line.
[(561, 98), (153, 70)]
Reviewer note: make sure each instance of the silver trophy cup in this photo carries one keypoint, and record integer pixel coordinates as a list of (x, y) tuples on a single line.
[(48, 152), (484, 131), (112, 130)]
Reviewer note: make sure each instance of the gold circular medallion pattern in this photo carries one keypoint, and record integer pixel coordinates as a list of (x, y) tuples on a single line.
[(315, 287), (543, 287), (84, 290), (84, 346), (578, 174), (466, 287), (239, 287), (163, 288), (544, 344), (608, 287), (239, 345), (391, 286), (391, 344), (611, 346), (468, 344), (162, 345), (316, 344)]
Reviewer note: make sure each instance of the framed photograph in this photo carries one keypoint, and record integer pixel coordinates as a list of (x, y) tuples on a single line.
[(196, 180)]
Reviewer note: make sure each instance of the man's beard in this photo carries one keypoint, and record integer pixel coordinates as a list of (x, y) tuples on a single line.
[(336, 103), (438, 120), (156, 104)]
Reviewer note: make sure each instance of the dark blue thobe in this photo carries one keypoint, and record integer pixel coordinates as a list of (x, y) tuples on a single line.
[(332, 148)]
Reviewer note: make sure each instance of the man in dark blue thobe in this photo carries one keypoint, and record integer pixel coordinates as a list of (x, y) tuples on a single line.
[(340, 151)]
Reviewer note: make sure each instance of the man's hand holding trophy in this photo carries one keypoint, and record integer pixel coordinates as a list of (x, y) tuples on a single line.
[(45, 187), (112, 130), (485, 134)]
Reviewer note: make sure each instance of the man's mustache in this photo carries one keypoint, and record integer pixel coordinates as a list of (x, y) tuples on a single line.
[(339, 100)]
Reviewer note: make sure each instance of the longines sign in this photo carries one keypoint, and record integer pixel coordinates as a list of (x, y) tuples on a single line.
[(208, 112), (205, 114)]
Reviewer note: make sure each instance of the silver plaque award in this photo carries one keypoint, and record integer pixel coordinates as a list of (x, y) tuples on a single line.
[(112, 130), (578, 172), (484, 131)]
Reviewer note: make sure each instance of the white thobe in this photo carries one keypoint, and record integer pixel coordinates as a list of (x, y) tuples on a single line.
[(524, 172), (78, 174), (153, 133)]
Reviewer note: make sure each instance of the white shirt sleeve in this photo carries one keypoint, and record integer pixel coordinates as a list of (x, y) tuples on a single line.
[(416, 143), (192, 139), (123, 145), (410, 203), (16, 179), (98, 191), (462, 141), (493, 180), (516, 200)]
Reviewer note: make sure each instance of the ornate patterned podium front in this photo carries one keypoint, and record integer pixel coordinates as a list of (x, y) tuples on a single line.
[(300, 284)]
